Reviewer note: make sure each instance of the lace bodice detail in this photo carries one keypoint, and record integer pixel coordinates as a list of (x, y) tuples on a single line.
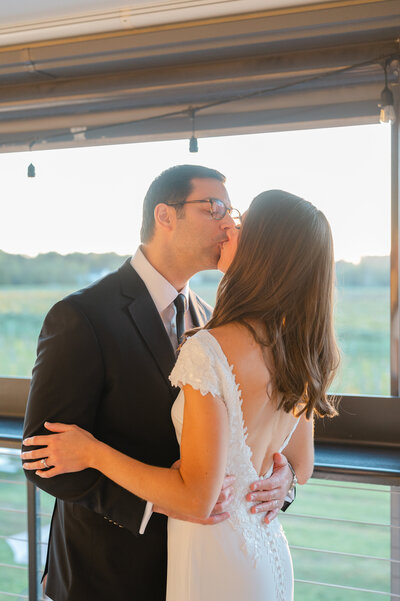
[(204, 366), (198, 364)]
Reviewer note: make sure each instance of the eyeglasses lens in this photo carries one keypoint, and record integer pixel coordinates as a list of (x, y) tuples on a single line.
[(218, 209), (237, 218)]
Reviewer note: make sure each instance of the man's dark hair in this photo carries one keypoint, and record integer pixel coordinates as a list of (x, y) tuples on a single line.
[(172, 185)]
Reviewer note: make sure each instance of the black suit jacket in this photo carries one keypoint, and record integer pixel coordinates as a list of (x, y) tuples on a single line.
[(103, 362)]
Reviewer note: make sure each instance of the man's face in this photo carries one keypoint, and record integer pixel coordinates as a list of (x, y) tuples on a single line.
[(198, 237), (228, 250)]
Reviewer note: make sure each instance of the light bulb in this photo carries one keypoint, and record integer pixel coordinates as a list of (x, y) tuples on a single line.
[(31, 170), (387, 114), (193, 146)]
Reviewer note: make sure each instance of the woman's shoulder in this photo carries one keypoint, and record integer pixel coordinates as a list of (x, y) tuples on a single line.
[(233, 336), (242, 350), (233, 342)]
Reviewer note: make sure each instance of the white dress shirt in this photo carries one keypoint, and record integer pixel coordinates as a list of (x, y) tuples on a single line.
[(163, 295)]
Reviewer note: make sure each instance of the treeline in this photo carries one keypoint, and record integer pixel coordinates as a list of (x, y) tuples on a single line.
[(53, 268), (80, 269), (370, 271)]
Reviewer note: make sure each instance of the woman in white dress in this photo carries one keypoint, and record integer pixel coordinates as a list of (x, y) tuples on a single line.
[(250, 382)]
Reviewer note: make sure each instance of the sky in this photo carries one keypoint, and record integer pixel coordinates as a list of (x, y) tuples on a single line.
[(90, 199)]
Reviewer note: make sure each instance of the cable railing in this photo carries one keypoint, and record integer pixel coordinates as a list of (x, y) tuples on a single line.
[(343, 554), (339, 587), (341, 550)]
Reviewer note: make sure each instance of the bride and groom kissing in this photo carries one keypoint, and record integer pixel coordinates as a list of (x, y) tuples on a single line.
[(98, 429)]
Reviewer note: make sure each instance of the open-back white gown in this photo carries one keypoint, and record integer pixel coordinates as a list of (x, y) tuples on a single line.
[(240, 559)]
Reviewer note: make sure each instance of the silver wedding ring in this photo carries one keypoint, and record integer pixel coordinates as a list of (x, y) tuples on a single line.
[(44, 463)]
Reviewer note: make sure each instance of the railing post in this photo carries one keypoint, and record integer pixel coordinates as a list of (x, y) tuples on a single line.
[(395, 256), (395, 339), (395, 541), (33, 542)]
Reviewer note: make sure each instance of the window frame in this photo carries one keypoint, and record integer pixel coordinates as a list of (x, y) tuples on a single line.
[(363, 420)]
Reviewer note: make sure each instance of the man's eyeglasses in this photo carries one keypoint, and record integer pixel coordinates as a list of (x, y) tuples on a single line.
[(218, 209)]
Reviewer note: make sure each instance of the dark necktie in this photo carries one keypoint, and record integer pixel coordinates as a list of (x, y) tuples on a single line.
[(179, 303)]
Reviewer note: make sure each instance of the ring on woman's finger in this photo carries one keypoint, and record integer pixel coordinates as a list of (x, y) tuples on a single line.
[(44, 463)]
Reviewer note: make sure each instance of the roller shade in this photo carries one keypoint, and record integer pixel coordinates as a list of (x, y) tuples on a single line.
[(118, 86)]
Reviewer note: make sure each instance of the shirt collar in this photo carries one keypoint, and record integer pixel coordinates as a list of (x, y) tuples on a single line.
[(161, 291)]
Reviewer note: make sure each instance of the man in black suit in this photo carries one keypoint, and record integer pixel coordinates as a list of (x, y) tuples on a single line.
[(103, 360)]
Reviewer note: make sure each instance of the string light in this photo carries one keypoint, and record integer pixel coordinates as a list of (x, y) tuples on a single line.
[(31, 166), (387, 113), (193, 145)]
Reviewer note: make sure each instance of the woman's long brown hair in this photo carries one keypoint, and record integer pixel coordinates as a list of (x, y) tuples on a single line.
[(282, 279)]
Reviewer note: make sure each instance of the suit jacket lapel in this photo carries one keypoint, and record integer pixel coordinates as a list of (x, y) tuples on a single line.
[(147, 320)]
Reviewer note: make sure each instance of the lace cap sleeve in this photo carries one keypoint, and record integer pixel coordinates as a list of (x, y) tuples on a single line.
[(196, 365)]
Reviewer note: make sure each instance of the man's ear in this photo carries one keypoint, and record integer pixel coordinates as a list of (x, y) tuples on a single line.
[(165, 216)]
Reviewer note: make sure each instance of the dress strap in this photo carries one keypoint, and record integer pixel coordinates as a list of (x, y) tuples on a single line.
[(289, 436)]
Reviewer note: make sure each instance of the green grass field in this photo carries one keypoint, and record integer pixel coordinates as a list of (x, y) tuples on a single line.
[(361, 318), (362, 325)]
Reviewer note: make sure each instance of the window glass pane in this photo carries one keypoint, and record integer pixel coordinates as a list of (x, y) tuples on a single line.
[(89, 200), (340, 528), (13, 527)]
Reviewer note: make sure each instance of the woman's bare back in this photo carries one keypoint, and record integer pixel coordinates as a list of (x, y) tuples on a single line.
[(267, 427)]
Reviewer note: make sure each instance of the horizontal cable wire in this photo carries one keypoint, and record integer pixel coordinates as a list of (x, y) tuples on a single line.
[(11, 510), (20, 540), (342, 553), (14, 595), (10, 454), (350, 588), (341, 520), (380, 490), (20, 482), (9, 565), (11, 537), (388, 490)]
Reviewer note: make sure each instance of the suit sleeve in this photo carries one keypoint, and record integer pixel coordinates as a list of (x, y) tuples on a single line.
[(67, 384)]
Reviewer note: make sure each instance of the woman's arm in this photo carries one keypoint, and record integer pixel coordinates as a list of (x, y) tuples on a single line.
[(193, 489), (300, 450)]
